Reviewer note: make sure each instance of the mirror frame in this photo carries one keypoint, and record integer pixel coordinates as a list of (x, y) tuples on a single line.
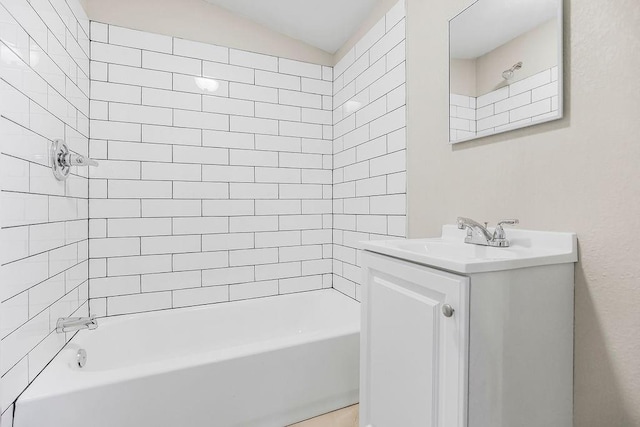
[(560, 44)]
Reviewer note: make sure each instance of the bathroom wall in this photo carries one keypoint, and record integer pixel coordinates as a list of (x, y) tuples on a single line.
[(204, 22), (44, 88), (369, 145), (215, 176), (577, 174)]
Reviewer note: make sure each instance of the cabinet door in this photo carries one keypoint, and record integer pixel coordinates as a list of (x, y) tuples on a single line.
[(413, 369)]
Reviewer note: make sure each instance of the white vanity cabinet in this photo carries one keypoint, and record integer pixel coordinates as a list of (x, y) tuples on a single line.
[(470, 348)]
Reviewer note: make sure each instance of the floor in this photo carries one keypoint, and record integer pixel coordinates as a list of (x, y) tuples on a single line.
[(345, 417)]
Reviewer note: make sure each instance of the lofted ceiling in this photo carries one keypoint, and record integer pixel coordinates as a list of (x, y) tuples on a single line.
[(325, 24)]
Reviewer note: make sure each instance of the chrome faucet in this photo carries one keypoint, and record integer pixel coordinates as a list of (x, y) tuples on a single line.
[(72, 324), (478, 234)]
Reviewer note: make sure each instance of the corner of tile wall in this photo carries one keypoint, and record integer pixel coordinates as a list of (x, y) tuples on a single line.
[(44, 95), (369, 146)]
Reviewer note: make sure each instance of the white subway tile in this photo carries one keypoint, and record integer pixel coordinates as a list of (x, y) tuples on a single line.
[(137, 151), (277, 80), (277, 239), (253, 60), (195, 119), (170, 281), (138, 303), (202, 225), (112, 286), (227, 72), (200, 85), (106, 248), (171, 208), (171, 99), (227, 139), (227, 276), (304, 130), (104, 91), (171, 171), (278, 112), (531, 110), (200, 50), (513, 102), (300, 222), (253, 257), (139, 77), (300, 284), (299, 99), (126, 266), (216, 104), (253, 290), (140, 114), (254, 125), (227, 207), (133, 227), (278, 271), (391, 121), (227, 173), (253, 158), (171, 135), (169, 245), (297, 68), (199, 296), (171, 63), (277, 207), (225, 242), (253, 191), (113, 54), (200, 190), (139, 39)]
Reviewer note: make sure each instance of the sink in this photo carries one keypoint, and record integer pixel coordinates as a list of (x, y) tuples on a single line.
[(449, 252)]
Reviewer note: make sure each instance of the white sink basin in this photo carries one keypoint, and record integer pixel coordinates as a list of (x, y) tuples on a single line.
[(449, 252)]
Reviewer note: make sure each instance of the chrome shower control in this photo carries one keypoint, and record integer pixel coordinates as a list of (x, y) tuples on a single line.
[(62, 159)]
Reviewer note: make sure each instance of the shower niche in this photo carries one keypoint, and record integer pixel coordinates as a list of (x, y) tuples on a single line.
[(505, 67)]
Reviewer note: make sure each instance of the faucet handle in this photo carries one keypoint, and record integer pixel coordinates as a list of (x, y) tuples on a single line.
[(499, 234)]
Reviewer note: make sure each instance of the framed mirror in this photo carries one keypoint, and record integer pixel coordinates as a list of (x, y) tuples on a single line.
[(505, 67)]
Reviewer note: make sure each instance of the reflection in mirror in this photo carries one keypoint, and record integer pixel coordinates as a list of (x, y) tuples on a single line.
[(505, 66)]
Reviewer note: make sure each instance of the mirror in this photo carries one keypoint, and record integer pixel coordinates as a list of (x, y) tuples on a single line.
[(505, 67)]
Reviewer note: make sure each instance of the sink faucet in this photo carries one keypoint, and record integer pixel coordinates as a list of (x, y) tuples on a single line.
[(478, 234)]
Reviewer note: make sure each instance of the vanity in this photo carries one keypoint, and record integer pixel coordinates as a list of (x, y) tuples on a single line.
[(459, 334)]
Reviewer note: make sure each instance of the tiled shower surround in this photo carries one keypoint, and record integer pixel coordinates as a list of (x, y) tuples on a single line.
[(369, 173), (215, 173), (224, 174), (44, 95)]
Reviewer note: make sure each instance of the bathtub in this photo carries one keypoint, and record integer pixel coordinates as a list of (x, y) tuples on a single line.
[(263, 362)]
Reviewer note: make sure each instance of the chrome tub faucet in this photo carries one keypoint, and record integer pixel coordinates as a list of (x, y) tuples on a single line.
[(478, 234), (72, 324)]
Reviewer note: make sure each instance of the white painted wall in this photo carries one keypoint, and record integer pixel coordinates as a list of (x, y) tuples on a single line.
[(578, 174), (44, 88)]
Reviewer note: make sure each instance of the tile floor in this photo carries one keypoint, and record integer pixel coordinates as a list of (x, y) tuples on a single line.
[(345, 417)]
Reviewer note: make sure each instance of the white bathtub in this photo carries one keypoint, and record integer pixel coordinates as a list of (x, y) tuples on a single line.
[(264, 362)]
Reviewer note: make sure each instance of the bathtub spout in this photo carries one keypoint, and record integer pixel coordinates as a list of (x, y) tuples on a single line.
[(72, 324)]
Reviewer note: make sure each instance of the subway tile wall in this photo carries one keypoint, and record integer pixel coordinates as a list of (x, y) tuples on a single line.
[(215, 177), (529, 100), (369, 174), (44, 95)]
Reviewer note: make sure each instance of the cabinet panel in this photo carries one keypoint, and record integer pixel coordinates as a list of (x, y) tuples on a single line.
[(413, 358)]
